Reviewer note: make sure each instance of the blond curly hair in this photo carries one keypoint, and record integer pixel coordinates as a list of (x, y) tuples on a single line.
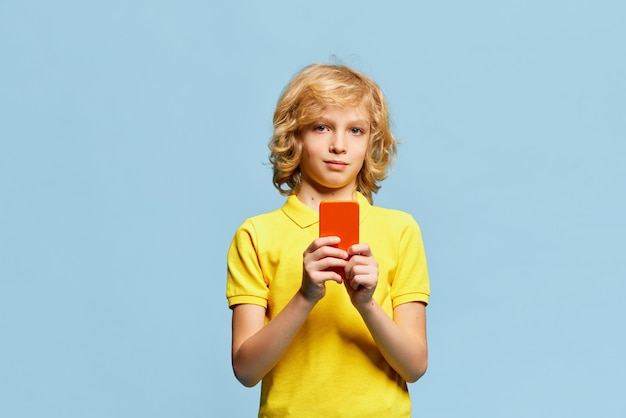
[(304, 100)]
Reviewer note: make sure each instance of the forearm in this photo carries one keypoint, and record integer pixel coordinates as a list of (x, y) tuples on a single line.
[(259, 353), (405, 350)]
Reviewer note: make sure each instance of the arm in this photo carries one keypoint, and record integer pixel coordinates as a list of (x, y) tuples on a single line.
[(256, 346), (401, 340)]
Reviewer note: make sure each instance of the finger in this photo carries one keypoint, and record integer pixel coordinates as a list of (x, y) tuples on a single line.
[(354, 283), (320, 277), (362, 275), (361, 282), (324, 264), (326, 246), (328, 251), (320, 242), (361, 249), (361, 262), (329, 263), (330, 240), (334, 277)]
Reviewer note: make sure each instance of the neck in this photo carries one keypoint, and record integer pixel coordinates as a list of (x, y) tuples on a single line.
[(312, 197)]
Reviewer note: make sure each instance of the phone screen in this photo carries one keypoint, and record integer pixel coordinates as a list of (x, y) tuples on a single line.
[(340, 218)]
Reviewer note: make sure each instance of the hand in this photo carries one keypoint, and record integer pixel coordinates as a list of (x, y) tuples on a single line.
[(361, 274), (319, 261)]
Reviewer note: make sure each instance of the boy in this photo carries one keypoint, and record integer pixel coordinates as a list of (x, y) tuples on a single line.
[(347, 347)]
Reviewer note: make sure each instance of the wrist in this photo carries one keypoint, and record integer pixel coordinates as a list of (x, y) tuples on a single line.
[(366, 308), (305, 300)]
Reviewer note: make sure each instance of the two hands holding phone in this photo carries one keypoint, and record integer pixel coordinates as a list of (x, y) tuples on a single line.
[(338, 256)]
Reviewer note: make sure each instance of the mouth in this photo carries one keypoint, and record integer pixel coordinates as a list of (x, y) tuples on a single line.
[(336, 164)]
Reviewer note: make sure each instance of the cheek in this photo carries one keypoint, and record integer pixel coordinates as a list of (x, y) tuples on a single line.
[(362, 165), (312, 150), (306, 154), (362, 152)]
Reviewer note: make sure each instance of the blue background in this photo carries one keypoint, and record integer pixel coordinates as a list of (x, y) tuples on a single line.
[(133, 143)]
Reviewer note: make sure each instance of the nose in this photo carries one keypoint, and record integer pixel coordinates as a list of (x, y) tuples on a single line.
[(338, 144)]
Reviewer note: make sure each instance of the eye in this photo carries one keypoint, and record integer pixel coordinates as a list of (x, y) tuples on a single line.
[(356, 131), (320, 128)]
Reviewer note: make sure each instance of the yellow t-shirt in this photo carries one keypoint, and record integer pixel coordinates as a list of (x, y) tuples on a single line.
[(332, 368)]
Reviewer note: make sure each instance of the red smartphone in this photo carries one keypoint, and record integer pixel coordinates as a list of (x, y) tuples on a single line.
[(340, 218)]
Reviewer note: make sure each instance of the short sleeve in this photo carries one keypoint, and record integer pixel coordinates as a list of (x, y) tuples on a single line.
[(245, 281), (411, 283)]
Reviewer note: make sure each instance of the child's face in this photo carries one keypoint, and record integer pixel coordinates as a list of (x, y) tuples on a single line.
[(334, 148)]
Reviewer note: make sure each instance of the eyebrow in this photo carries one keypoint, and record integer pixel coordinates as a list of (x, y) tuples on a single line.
[(351, 122)]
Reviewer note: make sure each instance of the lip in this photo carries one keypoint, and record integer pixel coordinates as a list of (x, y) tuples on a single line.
[(336, 164)]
